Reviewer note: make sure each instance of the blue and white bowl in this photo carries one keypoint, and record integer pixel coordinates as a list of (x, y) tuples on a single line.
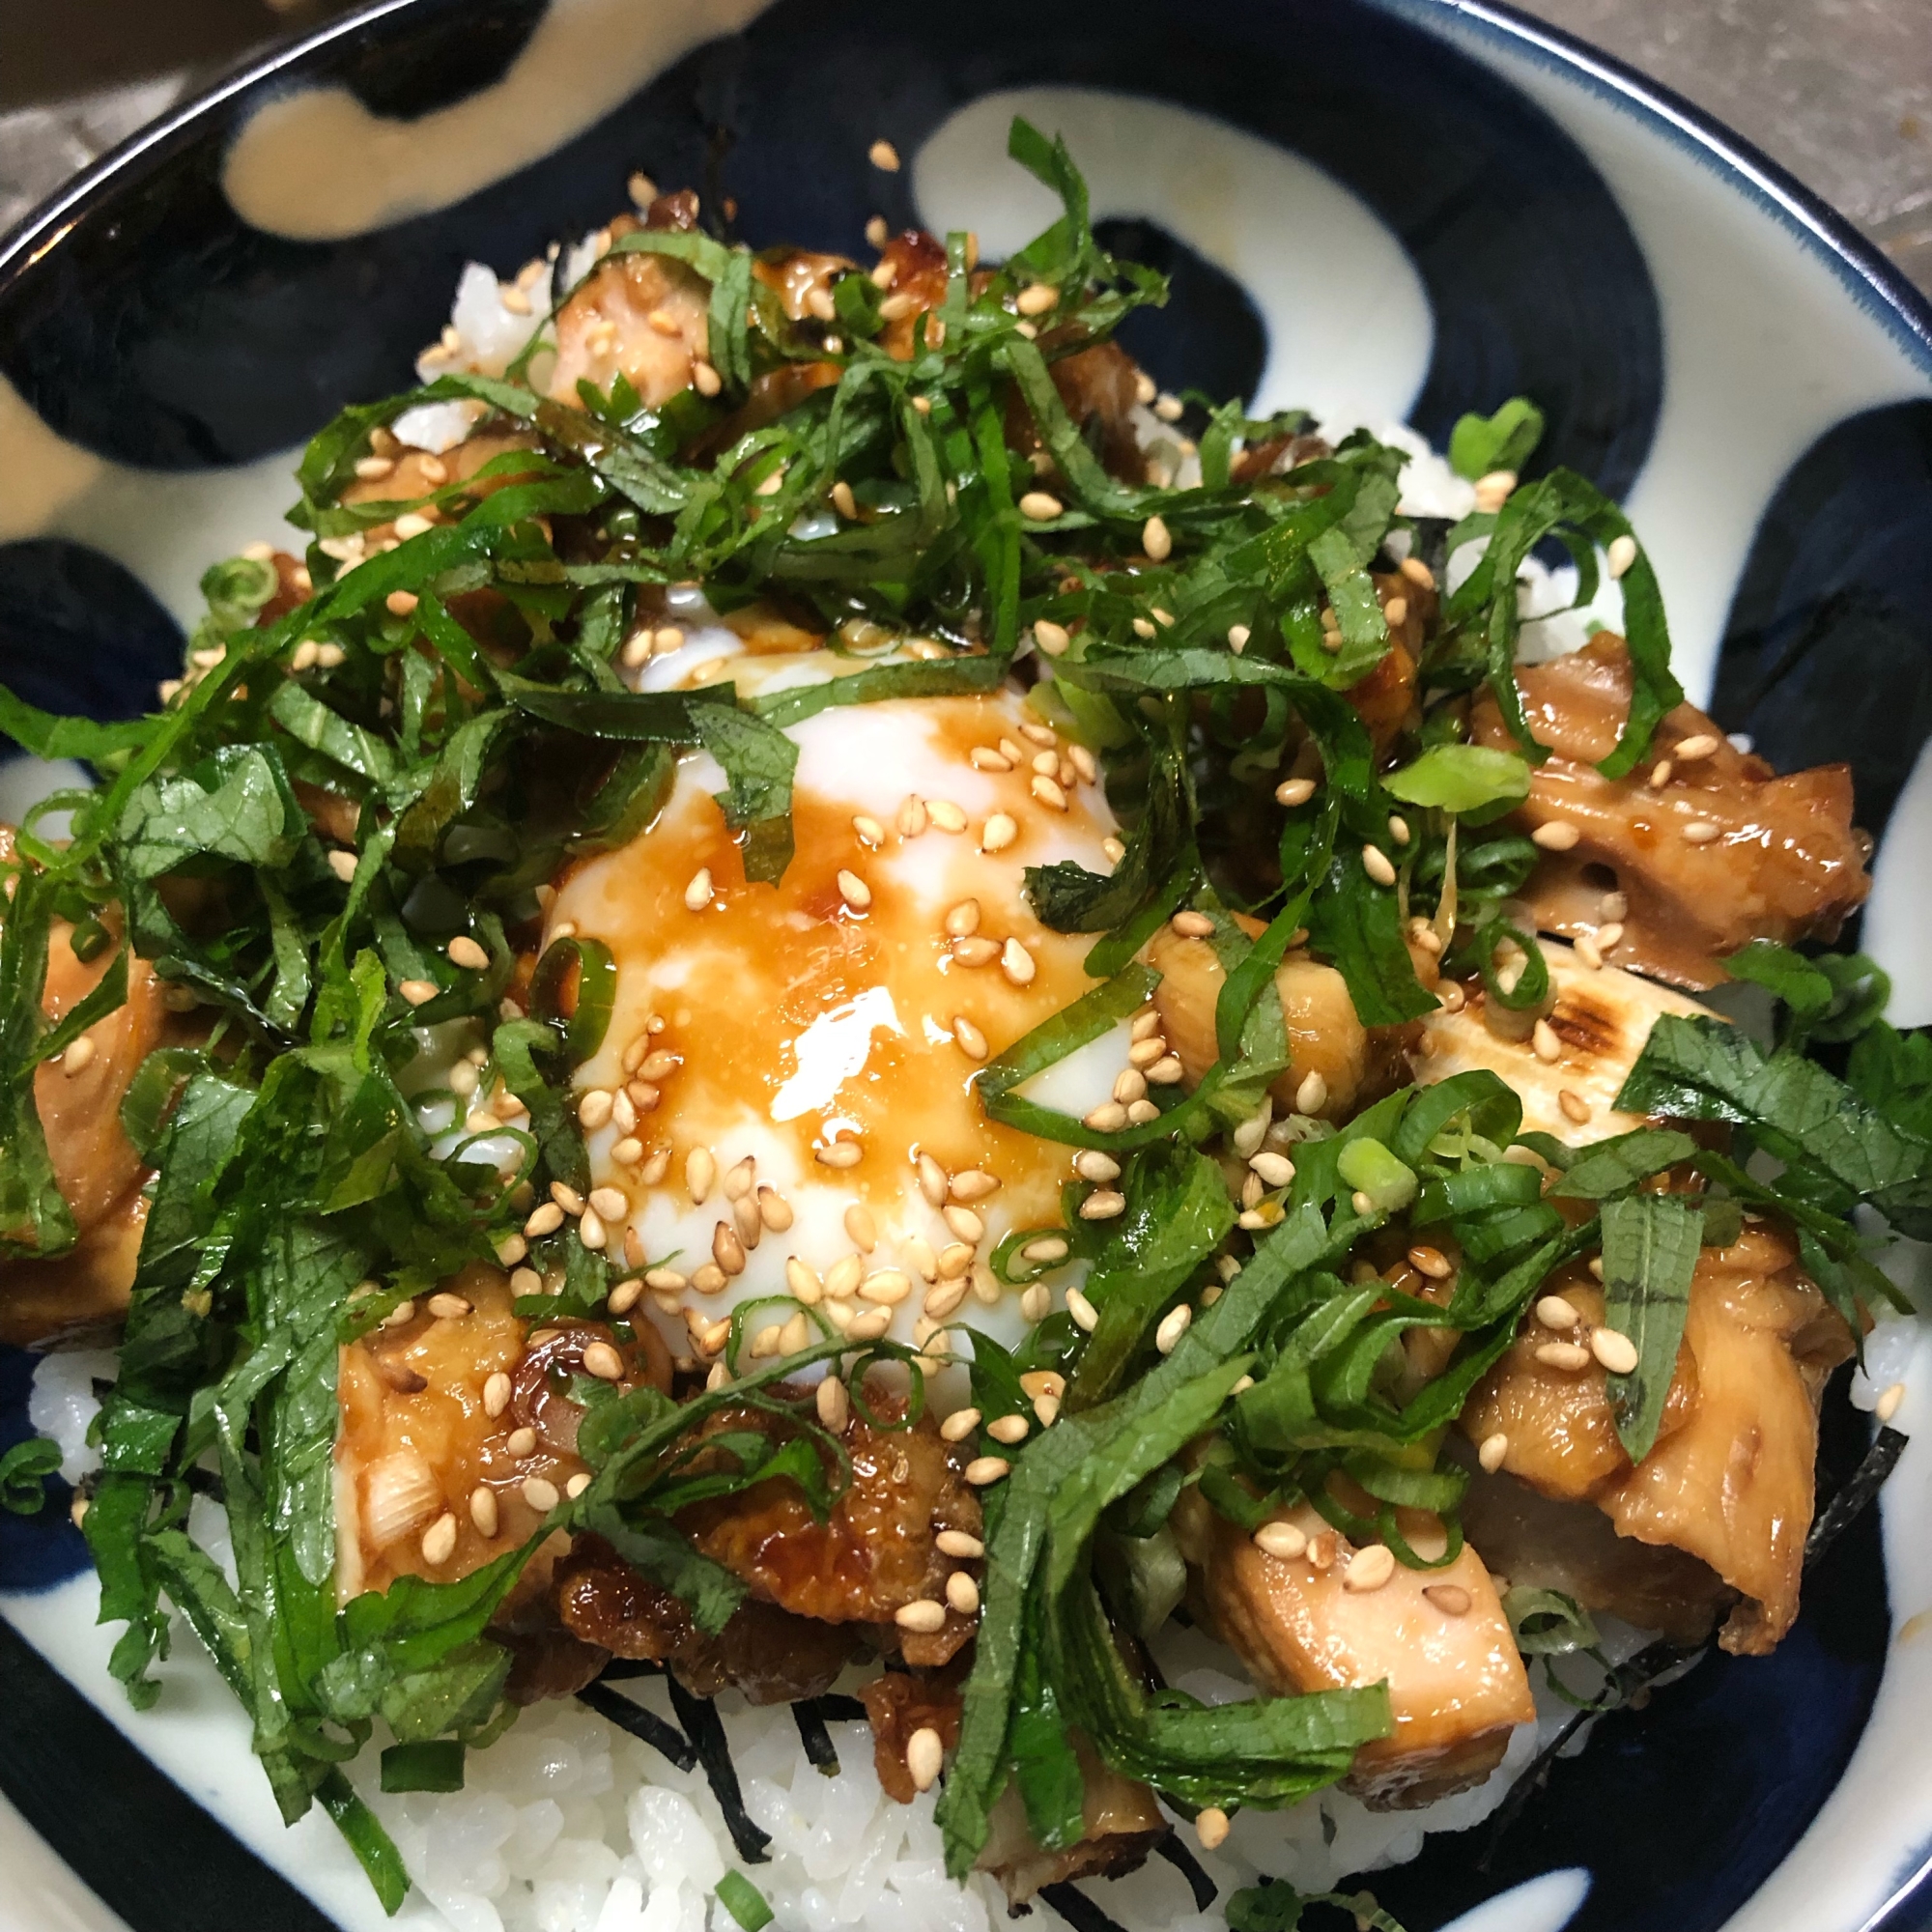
[(1386, 209)]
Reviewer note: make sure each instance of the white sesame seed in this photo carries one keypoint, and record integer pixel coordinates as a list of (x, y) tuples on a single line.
[(1376, 862), (439, 1541), (839, 1153), (613, 1203), (1887, 1404), (1037, 507), (998, 832), (1276, 1169), (1574, 1105), (698, 895), (592, 1231), (1104, 1203), (1192, 924), (1621, 554), (854, 890), (1294, 791), (887, 1288), (1564, 1355), (545, 1220), (1049, 792), (1053, 638), (958, 1543), (1156, 539), (1143, 627), (1614, 1349), (1168, 408), (1312, 1096), (1588, 952), (1046, 1250), (1283, 1541), (1556, 835), (602, 1360), (924, 1755), (418, 992), (1108, 1117), (1017, 963), (1084, 1315), (540, 1492), (1611, 937), (884, 155), (972, 1041), (1173, 1327), (1368, 1569), (965, 1224), (1493, 490), (1701, 832), (945, 815), (1699, 745), (984, 1470), (1035, 1302), (1009, 1429), (1553, 1311), (1211, 1826), (1545, 1043)]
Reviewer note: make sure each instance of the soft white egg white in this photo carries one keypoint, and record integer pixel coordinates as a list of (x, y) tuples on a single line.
[(800, 1057)]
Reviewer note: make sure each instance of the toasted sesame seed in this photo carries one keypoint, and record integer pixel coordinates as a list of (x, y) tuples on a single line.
[(448, 1307), (1104, 1203), (1168, 408), (887, 1288), (577, 1485), (1574, 1105), (803, 1282), (1312, 1096), (984, 1470), (983, 758), (924, 1757), (1545, 1043), (1702, 831), (1009, 1429), (912, 817), (418, 992), (726, 1249), (870, 1326), (839, 1153), (1661, 774), (1046, 1250), (1368, 1569), (1553, 1311), (540, 1493), (1376, 862), (1887, 1404), (1283, 1541), (841, 1279), (1275, 1170), (1053, 638), (1614, 1349), (1699, 745), (1493, 490), (1108, 1117), (1035, 1302), (343, 865), (854, 890), (602, 1360), (1211, 1826), (1156, 540), (964, 1223), (833, 1404), (957, 1542), (861, 1228), (1588, 952), (1037, 507), (1596, 1265), (952, 1263), (767, 1341), (566, 1197), (511, 1249), (1084, 1315), (624, 1297), (972, 1041), (1143, 627), (1017, 963), (593, 1109), (1049, 792), (1451, 1598), (796, 1334), (1610, 937), (1395, 613), (1361, 1203), (946, 816), (1173, 1327), (885, 156), (1556, 835), (1621, 554), (439, 1540), (998, 832), (1129, 1085), (592, 1231), (520, 1442), (544, 1220), (1494, 1452), (464, 952), (1564, 1355), (698, 895), (700, 1173), (960, 1425), (655, 1169), (976, 950)]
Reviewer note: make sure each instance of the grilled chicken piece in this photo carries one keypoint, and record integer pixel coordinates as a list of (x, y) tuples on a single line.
[(418, 1442), (1785, 864), (639, 316), (1438, 1638), (1730, 1480), (1325, 1035), (875, 1552), (899, 1702), (1601, 1019), (100, 1175), (769, 1653), (1123, 1824)]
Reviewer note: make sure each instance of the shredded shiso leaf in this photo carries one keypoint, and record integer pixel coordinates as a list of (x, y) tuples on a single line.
[(298, 1199)]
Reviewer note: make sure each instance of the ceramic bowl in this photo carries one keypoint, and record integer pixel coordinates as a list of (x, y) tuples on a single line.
[(1383, 209)]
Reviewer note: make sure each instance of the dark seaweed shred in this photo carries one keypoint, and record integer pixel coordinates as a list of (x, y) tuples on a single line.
[(1176, 1853), (706, 1731), (820, 1752), (1077, 1909), (646, 1726)]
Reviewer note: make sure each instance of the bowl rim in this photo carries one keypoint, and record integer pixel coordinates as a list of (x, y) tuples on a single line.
[(1871, 278)]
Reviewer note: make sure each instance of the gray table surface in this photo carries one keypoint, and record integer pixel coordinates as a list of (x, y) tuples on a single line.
[(1839, 91)]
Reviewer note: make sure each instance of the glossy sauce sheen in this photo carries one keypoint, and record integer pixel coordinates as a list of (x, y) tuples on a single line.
[(798, 1019)]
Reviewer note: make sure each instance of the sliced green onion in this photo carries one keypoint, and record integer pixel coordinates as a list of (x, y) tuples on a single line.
[(1370, 1168), (744, 1901)]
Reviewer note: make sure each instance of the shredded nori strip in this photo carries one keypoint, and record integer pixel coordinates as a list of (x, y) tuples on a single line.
[(819, 1748), (706, 1731), (621, 1669), (1858, 1490), (665, 1738), (838, 1709), (1177, 1854), (1077, 1909)]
